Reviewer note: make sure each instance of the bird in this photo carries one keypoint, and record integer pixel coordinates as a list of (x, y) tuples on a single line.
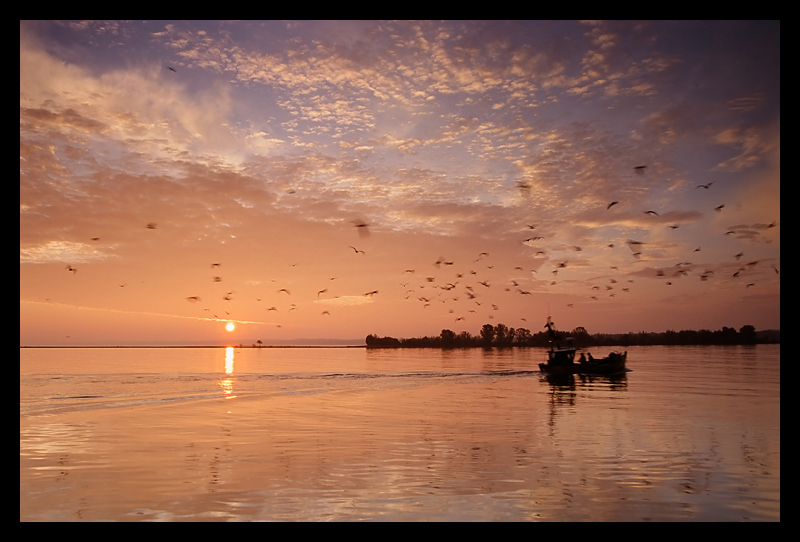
[(151, 225), (651, 213), (95, 238), (213, 265), (639, 169), (73, 269), (610, 205), (705, 185), (193, 298), (322, 291), (361, 226), (170, 68), (719, 207), (738, 256), (216, 279), (284, 290), (529, 239), (356, 250), (631, 243), (370, 294), (326, 312)]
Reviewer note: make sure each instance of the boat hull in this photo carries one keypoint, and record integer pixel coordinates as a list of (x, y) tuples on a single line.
[(613, 364)]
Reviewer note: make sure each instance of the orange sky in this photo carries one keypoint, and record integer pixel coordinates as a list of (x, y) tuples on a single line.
[(260, 146)]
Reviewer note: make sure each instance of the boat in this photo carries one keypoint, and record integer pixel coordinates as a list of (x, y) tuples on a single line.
[(561, 359)]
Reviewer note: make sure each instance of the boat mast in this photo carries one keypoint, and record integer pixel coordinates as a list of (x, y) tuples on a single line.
[(553, 337)]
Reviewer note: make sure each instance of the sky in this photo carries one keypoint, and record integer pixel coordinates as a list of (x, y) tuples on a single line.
[(333, 179)]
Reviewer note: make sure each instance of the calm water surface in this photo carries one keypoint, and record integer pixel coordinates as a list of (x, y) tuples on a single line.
[(318, 434)]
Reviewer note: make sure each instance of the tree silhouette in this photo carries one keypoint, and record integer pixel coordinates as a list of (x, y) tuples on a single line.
[(448, 338), (487, 334)]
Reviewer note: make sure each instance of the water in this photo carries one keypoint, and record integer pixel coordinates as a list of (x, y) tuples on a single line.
[(338, 434)]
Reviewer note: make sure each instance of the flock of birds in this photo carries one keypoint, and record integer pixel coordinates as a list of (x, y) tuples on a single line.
[(456, 285)]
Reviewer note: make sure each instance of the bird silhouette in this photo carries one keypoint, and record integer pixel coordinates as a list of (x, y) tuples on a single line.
[(151, 225), (719, 207), (706, 186), (284, 290), (322, 291), (193, 298), (73, 269), (639, 169), (356, 250), (170, 68), (610, 205), (361, 226), (651, 213)]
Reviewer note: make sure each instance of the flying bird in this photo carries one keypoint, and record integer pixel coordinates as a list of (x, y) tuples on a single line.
[(651, 213), (362, 227), (356, 250), (705, 185), (284, 290), (639, 169), (719, 207), (73, 269), (151, 225), (193, 298), (610, 205), (95, 238), (170, 68), (373, 292), (322, 291)]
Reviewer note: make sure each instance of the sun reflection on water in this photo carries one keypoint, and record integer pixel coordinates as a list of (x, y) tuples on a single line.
[(227, 384)]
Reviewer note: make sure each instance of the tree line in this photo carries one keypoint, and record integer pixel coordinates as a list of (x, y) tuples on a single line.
[(503, 336)]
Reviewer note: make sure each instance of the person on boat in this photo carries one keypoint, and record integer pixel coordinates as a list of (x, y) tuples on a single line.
[(591, 359), (582, 359)]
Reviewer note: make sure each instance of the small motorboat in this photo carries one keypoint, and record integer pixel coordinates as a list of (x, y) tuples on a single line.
[(561, 359)]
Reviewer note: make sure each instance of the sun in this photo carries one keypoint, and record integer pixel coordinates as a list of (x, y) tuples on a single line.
[(229, 326)]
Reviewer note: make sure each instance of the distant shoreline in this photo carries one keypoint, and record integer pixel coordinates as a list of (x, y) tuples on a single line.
[(211, 346)]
